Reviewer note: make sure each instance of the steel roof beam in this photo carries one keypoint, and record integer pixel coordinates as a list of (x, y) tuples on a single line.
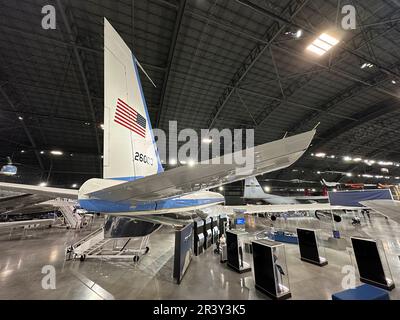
[(256, 53), (83, 76), (23, 125), (171, 55)]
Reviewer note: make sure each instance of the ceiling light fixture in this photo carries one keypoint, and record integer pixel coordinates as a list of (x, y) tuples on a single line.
[(322, 44), (56, 153), (366, 64)]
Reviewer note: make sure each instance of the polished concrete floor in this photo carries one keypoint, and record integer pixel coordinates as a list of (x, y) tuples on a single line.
[(22, 260)]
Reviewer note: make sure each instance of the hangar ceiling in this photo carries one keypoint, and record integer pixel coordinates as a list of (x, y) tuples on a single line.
[(216, 63)]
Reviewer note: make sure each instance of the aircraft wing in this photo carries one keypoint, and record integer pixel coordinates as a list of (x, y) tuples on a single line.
[(277, 208), (49, 193), (20, 201), (268, 157), (26, 224), (388, 208)]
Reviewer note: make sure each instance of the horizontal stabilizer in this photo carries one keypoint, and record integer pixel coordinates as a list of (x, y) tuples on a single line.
[(388, 208), (268, 157), (45, 191)]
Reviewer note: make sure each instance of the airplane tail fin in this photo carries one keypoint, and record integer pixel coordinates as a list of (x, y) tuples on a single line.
[(252, 189), (130, 151)]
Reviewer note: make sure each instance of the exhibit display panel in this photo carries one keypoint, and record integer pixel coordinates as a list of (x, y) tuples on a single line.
[(215, 229), (207, 233), (223, 222), (235, 251), (369, 258), (198, 237), (310, 247), (270, 269), (183, 251)]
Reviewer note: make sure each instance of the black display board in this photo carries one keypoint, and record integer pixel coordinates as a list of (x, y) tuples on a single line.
[(235, 253), (308, 247), (263, 268), (264, 275), (207, 233), (198, 236), (183, 251), (232, 250), (223, 221), (369, 263), (215, 229)]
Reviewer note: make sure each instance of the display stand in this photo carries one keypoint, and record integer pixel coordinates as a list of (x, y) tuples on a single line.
[(214, 230), (223, 222), (183, 251), (235, 251), (270, 269), (207, 233), (310, 249), (198, 236), (372, 263)]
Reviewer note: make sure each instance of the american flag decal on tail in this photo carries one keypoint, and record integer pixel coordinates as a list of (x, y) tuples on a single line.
[(129, 118)]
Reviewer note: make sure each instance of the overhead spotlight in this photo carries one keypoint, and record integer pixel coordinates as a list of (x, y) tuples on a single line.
[(332, 156), (366, 64), (56, 153), (87, 123), (299, 33), (334, 190), (313, 190), (357, 159), (74, 185), (207, 140), (41, 152), (322, 44), (221, 188), (191, 163), (385, 170), (394, 81), (102, 126), (320, 155), (22, 151), (349, 174), (367, 176), (318, 172), (20, 118), (42, 184), (267, 189), (347, 158)]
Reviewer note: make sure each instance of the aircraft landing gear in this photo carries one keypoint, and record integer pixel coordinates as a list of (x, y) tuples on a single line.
[(82, 257), (146, 251), (136, 259)]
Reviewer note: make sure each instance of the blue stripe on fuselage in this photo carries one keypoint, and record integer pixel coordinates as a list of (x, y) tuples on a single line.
[(96, 205), (127, 178)]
